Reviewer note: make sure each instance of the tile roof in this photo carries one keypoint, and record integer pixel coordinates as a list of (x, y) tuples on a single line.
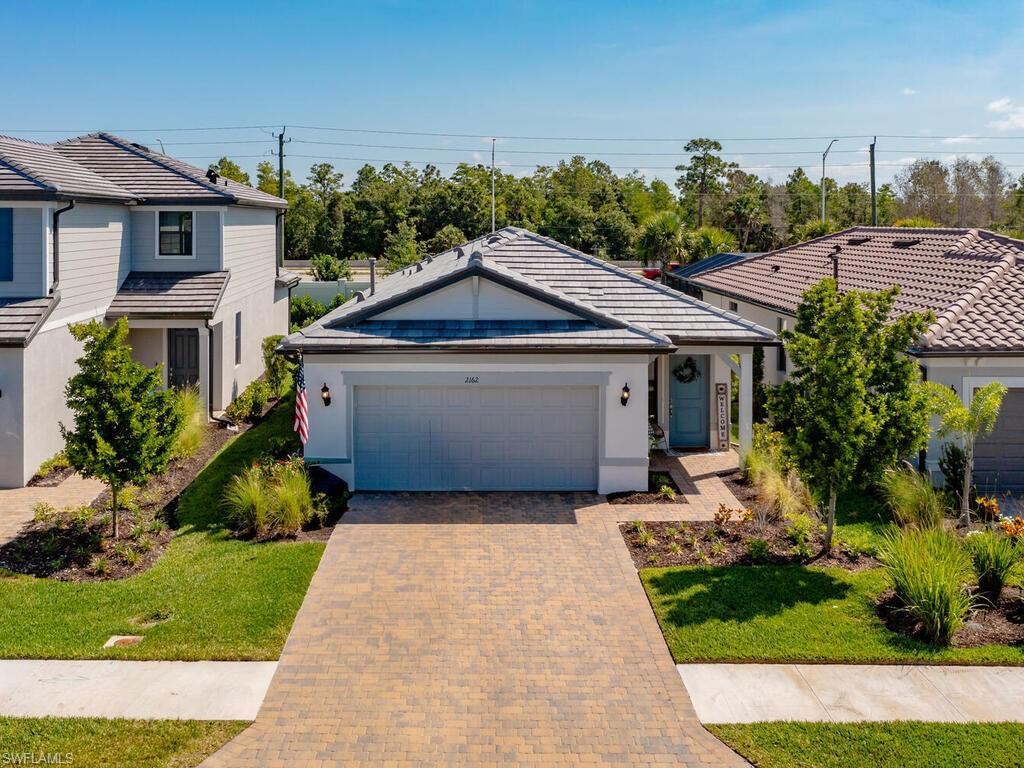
[(21, 319), (972, 280), (617, 309), (169, 294), (106, 167)]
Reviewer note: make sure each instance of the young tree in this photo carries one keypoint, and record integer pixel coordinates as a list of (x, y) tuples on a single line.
[(446, 238), (125, 425), (327, 267), (661, 240), (968, 422), (401, 248), (229, 169), (703, 175), (851, 403)]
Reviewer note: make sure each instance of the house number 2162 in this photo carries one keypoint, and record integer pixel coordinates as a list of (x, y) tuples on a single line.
[(472, 379)]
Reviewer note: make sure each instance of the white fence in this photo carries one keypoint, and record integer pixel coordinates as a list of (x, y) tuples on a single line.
[(324, 291)]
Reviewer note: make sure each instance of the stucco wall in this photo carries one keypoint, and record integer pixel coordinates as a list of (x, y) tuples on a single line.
[(622, 455), (149, 346)]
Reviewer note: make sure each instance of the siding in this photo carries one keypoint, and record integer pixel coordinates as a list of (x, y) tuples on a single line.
[(206, 243), (94, 259), (766, 318), (29, 255)]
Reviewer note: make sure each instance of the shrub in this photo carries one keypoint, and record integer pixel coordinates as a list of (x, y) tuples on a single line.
[(913, 500), (857, 544), (952, 464), (767, 442), (759, 551), (128, 555), (278, 367), (645, 538), (756, 464), (659, 479), (995, 557), (929, 570), (327, 267), (53, 464), (667, 492), (190, 405), (43, 513), (799, 530), (305, 310), (249, 405), (636, 526), (723, 515), (292, 498), (248, 500), (99, 565), (718, 548), (784, 495)]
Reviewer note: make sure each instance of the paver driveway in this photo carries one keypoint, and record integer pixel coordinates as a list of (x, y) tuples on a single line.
[(476, 629)]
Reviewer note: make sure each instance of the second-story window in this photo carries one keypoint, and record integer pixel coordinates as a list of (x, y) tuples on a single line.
[(175, 233)]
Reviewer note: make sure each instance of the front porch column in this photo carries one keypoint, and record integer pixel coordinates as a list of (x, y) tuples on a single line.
[(204, 367), (746, 403), (662, 385)]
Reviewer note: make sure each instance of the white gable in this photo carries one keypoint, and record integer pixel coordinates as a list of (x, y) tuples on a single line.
[(475, 298)]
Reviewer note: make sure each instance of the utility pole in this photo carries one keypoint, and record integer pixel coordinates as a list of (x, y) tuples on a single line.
[(493, 142), (280, 189), (874, 204), (823, 156)]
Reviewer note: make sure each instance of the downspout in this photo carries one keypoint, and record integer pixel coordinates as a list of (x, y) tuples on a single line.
[(56, 245)]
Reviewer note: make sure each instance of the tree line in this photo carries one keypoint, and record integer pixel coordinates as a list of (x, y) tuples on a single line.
[(399, 213)]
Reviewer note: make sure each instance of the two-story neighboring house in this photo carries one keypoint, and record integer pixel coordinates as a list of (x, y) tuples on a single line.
[(97, 227)]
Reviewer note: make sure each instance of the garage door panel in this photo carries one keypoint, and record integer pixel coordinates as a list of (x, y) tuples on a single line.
[(999, 458), (476, 438)]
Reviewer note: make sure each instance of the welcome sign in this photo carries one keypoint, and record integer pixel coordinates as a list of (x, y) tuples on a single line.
[(722, 403)]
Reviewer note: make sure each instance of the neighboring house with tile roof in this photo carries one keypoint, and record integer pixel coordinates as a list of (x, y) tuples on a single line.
[(514, 362), (971, 280), (97, 227)]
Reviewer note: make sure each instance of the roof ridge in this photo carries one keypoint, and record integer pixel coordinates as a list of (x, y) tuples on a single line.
[(966, 300), (649, 284), (131, 148)]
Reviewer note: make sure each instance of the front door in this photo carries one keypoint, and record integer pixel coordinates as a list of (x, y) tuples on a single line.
[(182, 357), (689, 423)]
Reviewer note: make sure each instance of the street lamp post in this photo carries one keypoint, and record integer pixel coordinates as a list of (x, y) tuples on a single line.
[(823, 156)]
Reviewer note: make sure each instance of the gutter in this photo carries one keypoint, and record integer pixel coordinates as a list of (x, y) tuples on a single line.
[(56, 245)]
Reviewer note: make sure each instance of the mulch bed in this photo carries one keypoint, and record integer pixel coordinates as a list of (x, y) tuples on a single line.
[(711, 543), (1001, 624), (655, 480), (53, 479)]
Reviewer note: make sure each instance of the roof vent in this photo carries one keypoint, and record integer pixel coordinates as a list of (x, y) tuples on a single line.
[(143, 147), (212, 175), (476, 256), (360, 297), (775, 267), (858, 240), (906, 243), (459, 253), (493, 239)]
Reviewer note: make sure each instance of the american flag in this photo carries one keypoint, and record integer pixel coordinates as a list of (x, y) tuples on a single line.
[(301, 406)]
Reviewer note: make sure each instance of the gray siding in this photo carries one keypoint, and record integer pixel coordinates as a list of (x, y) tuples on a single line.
[(249, 251), (94, 259), (206, 244), (29, 255)]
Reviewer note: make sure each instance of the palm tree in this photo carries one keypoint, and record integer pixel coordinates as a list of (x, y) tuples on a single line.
[(661, 239), (968, 422)]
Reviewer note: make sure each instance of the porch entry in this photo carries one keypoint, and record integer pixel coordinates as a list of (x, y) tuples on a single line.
[(688, 387), (182, 357)]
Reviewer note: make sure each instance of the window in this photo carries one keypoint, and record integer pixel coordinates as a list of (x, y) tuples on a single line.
[(238, 338), (780, 326), (175, 233), (733, 306), (6, 244)]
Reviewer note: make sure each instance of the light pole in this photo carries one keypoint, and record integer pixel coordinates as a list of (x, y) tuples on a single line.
[(823, 156)]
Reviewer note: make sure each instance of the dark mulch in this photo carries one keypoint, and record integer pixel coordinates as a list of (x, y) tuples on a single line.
[(710, 543), (743, 491), (1002, 623), (655, 480), (54, 478)]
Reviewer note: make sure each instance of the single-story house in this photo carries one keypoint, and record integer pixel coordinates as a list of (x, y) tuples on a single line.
[(514, 362), (973, 282)]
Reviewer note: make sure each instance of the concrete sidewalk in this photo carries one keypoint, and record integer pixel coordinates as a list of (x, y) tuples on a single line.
[(143, 690), (750, 693)]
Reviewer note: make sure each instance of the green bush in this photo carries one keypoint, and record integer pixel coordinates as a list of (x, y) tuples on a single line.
[(190, 404), (53, 464), (929, 570), (995, 558), (759, 551), (800, 529), (278, 367), (912, 499), (952, 464), (856, 543), (292, 497), (327, 267), (249, 404), (248, 500)]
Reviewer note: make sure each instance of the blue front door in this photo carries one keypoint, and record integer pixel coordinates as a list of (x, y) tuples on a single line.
[(688, 398)]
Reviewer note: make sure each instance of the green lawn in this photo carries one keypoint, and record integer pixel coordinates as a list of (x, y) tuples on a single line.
[(876, 745), (787, 613), (217, 597), (112, 743)]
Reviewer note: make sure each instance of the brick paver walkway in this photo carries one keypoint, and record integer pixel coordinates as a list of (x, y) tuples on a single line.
[(696, 475), (16, 503), (476, 629)]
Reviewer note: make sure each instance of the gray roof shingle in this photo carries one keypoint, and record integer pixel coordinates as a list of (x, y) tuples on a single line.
[(21, 319), (616, 309), (39, 169), (169, 294), (972, 280)]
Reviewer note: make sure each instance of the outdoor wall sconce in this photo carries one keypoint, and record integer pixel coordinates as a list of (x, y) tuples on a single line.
[(625, 395), (325, 394)]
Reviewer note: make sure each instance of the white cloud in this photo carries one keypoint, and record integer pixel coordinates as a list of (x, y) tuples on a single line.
[(909, 92), (1000, 105), (963, 138)]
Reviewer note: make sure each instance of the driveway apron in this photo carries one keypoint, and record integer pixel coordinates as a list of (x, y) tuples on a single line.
[(476, 629)]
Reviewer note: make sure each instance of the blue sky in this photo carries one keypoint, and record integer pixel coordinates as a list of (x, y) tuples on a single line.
[(540, 69)]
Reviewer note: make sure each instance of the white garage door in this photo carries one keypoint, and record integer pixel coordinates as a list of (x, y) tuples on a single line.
[(475, 438), (999, 458)]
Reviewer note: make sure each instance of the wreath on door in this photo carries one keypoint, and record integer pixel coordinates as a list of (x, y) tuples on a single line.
[(686, 372)]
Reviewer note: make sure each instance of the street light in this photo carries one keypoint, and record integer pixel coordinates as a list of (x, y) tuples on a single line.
[(823, 156)]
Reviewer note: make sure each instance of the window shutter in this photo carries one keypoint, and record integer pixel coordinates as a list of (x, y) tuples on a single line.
[(6, 244)]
